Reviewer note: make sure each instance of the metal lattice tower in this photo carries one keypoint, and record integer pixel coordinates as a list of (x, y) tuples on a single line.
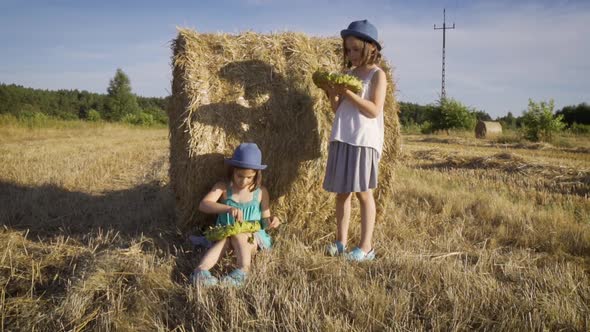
[(443, 93)]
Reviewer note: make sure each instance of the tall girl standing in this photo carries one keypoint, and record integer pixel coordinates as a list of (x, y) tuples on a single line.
[(356, 142)]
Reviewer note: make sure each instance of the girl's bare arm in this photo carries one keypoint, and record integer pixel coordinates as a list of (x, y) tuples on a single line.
[(373, 106), (333, 96), (210, 205), (273, 222)]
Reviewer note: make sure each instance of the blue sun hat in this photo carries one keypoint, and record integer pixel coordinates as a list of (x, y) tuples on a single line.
[(246, 155), (364, 30)]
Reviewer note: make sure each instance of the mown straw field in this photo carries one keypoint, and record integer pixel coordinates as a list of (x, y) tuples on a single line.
[(479, 236)]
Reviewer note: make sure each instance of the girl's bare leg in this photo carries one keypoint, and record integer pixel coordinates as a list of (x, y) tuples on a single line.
[(368, 213), (244, 250), (212, 255), (342, 216)]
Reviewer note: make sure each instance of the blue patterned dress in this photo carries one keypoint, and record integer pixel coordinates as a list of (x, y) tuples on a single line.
[(252, 211)]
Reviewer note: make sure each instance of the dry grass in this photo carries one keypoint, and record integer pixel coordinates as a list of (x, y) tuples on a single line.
[(480, 237)]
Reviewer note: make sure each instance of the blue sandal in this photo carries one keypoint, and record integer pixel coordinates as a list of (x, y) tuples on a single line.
[(357, 255), (235, 278), (335, 249), (203, 278)]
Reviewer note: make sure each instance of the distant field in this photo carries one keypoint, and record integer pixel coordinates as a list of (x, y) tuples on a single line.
[(484, 235)]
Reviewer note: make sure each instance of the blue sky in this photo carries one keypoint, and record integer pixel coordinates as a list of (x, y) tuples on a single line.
[(500, 54)]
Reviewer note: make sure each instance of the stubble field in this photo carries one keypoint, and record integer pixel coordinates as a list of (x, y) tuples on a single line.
[(484, 235)]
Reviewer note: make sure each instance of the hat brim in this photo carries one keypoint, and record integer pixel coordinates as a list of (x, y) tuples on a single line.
[(346, 33), (240, 164)]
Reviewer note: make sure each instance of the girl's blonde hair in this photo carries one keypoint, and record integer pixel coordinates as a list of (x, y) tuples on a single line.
[(367, 57), (257, 183)]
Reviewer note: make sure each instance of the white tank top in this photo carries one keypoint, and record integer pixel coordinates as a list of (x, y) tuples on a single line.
[(353, 127)]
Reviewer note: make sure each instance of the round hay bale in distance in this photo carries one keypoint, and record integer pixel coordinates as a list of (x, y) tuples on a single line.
[(487, 129)]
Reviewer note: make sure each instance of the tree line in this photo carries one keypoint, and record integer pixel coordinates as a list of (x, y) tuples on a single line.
[(451, 114), (119, 104)]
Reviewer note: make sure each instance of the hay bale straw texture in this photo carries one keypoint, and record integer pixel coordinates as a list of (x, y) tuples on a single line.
[(251, 87), (487, 129)]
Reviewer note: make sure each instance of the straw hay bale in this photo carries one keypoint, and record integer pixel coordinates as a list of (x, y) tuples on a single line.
[(229, 89), (487, 129)]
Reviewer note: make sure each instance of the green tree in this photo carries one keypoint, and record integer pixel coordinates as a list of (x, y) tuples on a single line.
[(454, 115), (482, 116), (67, 104), (539, 123), (140, 119), (120, 101), (507, 121), (579, 114), (414, 114), (157, 114), (93, 115)]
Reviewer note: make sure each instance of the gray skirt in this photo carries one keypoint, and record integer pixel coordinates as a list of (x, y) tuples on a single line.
[(351, 168)]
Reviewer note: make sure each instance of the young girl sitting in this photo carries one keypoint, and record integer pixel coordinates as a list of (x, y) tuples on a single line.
[(243, 214)]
